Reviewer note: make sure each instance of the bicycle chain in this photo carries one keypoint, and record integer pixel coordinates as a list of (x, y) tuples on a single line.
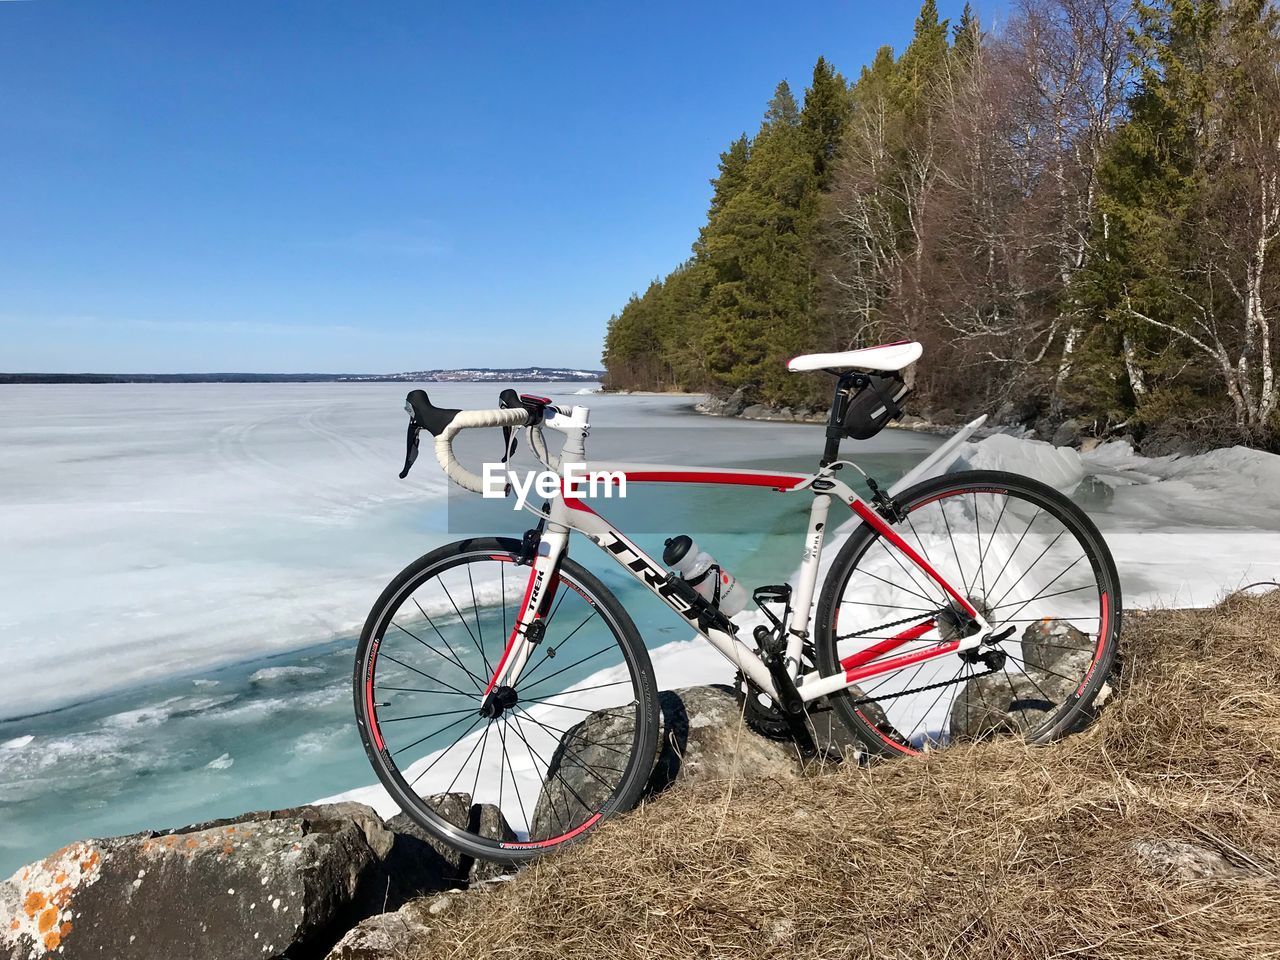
[(879, 626), (926, 687)]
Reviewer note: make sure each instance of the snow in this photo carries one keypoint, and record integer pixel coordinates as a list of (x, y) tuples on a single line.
[(1186, 530), (151, 530), (1059, 467)]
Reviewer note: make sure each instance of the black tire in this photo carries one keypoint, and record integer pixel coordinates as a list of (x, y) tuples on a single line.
[(472, 833), (1091, 655)]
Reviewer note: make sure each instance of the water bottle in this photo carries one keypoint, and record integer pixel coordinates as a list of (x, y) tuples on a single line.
[(699, 569)]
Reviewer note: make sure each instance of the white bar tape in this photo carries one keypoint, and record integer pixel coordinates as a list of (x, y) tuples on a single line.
[(466, 420)]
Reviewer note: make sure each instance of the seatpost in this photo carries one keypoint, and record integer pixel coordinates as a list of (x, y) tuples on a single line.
[(831, 452)]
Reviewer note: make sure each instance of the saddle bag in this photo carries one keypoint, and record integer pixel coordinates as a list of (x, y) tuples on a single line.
[(875, 401)]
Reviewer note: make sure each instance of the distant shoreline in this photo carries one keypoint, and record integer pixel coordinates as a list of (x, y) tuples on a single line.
[(467, 375)]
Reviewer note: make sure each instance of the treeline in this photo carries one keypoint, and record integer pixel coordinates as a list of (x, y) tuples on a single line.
[(1077, 214)]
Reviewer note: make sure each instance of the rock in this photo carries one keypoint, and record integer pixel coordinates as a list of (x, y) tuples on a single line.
[(711, 406), (758, 411), (998, 704), (263, 885), (1068, 433), (1190, 861), (419, 846), (736, 402), (1058, 654), (583, 771), (874, 714), (383, 936), (730, 406), (391, 936), (703, 738)]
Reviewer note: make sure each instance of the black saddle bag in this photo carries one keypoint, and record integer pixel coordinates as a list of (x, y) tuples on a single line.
[(876, 400)]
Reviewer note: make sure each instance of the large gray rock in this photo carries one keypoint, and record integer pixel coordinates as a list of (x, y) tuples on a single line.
[(391, 936), (998, 704), (384, 935), (1057, 656), (1068, 433), (455, 869), (269, 884), (736, 402), (875, 715), (703, 738), (730, 406)]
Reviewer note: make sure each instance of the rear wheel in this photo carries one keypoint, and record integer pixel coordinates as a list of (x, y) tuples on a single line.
[(569, 743), (1023, 554)]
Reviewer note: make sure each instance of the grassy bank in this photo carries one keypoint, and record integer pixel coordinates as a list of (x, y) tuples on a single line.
[(992, 850)]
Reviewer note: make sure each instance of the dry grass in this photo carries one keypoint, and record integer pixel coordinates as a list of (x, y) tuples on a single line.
[(991, 851)]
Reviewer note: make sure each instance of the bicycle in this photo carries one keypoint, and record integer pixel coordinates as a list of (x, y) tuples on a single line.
[(533, 737)]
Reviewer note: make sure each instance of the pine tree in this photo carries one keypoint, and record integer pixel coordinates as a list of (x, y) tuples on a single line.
[(823, 118), (759, 260), (924, 60), (967, 36)]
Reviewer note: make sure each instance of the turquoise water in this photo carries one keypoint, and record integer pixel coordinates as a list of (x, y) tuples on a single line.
[(274, 731)]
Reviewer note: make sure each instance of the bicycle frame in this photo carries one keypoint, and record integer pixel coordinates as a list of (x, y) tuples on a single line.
[(570, 512)]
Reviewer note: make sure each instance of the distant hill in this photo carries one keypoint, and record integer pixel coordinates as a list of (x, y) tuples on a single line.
[(473, 375)]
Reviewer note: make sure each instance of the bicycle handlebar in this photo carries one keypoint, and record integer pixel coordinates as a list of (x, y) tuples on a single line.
[(466, 420)]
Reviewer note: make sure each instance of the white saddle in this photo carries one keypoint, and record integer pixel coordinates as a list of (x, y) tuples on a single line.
[(888, 356)]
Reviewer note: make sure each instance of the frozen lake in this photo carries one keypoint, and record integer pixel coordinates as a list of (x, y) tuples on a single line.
[(185, 569)]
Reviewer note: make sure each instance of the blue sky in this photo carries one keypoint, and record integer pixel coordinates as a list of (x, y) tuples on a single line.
[(370, 187)]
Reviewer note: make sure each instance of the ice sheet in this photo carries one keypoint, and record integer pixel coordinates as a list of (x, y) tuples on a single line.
[(147, 530)]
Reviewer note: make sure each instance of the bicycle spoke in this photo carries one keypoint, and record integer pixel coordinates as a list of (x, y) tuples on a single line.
[(1012, 553), (1023, 665), (552, 649), (423, 716), (883, 606), (515, 783), (1043, 596), (1024, 573), (893, 554), (448, 646), (461, 619), (983, 554), (924, 716), (453, 782), (942, 509), (427, 675), (597, 686), (515, 725), (897, 586), (438, 693), (475, 608), (1047, 585), (552, 676), (484, 743), (575, 755)]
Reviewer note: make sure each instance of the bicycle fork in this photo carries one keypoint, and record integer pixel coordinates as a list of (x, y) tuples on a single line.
[(530, 624)]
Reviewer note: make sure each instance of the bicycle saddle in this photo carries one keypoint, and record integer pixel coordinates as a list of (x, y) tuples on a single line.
[(888, 356)]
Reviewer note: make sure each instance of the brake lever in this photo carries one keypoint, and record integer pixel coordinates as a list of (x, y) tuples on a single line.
[(411, 446)]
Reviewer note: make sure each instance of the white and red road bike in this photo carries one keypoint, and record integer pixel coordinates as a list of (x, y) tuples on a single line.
[(498, 676)]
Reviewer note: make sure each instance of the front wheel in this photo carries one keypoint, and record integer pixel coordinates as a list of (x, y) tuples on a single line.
[(1029, 560), (569, 743)]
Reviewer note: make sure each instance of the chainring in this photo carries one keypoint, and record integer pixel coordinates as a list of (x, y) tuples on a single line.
[(762, 715)]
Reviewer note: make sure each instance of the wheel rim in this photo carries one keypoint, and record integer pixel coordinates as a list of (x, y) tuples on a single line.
[(524, 767), (1029, 567)]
